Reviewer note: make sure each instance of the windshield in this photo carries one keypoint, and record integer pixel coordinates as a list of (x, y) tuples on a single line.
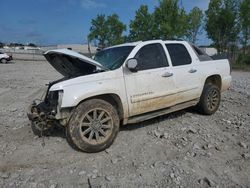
[(113, 58)]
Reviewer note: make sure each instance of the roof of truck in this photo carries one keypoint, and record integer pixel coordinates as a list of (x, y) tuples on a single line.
[(126, 44), (138, 42)]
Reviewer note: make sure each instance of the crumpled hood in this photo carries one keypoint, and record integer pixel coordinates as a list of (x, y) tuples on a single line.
[(72, 64)]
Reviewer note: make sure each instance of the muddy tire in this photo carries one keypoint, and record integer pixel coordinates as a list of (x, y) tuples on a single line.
[(93, 126), (210, 100), (37, 129)]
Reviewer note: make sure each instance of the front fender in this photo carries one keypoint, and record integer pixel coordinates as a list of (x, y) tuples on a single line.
[(74, 94)]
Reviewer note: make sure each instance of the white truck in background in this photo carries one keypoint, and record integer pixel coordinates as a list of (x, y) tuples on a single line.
[(124, 84)]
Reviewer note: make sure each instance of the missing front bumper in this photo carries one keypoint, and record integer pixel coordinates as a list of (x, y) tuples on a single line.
[(40, 112)]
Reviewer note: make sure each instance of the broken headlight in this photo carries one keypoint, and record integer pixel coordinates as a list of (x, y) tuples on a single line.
[(60, 96), (53, 100)]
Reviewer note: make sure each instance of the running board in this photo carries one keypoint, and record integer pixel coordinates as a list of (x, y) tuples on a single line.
[(150, 115)]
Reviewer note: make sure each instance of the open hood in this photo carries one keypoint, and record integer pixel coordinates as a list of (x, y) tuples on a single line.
[(72, 64)]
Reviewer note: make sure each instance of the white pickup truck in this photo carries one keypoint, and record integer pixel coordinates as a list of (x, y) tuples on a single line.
[(125, 84)]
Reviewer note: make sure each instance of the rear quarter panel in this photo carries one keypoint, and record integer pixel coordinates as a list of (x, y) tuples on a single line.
[(216, 67)]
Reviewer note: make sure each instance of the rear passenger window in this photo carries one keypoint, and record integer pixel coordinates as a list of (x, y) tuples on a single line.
[(151, 56), (179, 54)]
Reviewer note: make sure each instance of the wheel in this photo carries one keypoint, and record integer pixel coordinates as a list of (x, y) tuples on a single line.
[(40, 129), (3, 61), (93, 126), (210, 99)]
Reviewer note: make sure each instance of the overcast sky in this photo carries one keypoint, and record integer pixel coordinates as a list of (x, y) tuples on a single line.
[(49, 22)]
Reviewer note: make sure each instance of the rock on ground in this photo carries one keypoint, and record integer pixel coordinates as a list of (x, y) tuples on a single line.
[(183, 149)]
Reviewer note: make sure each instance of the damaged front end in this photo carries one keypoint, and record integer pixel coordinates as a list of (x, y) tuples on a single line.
[(45, 114)]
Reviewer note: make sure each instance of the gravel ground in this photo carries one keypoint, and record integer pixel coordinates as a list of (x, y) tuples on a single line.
[(183, 149)]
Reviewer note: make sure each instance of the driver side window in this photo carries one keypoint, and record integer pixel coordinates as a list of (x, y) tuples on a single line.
[(151, 56)]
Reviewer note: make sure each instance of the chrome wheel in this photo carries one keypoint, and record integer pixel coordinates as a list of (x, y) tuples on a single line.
[(213, 99), (96, 126)]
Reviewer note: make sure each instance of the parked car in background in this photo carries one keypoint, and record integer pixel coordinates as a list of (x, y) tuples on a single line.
[(124, 84), (5, 58)]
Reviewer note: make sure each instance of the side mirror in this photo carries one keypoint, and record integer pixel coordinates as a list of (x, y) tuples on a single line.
[(132, 65)]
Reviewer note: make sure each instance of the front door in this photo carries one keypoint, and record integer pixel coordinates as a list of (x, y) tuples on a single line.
[(152, 87)]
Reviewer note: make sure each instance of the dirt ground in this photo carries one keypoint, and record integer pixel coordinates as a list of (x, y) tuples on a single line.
[(183, 149)]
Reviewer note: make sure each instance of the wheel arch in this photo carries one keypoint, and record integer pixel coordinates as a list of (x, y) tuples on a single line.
[(215, 80), (111, 98)]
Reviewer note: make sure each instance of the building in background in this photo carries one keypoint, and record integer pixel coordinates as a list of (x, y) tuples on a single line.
[(82, 48)]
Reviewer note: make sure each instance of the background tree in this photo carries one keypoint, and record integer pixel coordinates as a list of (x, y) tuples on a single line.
[(107, 31), (170, 20), (1, 45), (221, 23), (141, 28), (15, 44), (99, 30), (115, 30), (31, 45), (195, 19), (245, 23)]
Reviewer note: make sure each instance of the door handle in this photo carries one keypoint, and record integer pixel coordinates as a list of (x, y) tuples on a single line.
[(167, 74), (192, 71)]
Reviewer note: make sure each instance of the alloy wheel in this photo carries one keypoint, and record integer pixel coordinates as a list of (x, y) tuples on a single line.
[(212, 99), (96, 126)]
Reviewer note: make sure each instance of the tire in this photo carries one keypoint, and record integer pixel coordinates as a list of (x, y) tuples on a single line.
[(210, 100), (93, 126), (4, 61), (38, 130)]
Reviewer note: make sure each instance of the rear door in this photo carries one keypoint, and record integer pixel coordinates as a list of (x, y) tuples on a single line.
[(152, 87), (186, 72)]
